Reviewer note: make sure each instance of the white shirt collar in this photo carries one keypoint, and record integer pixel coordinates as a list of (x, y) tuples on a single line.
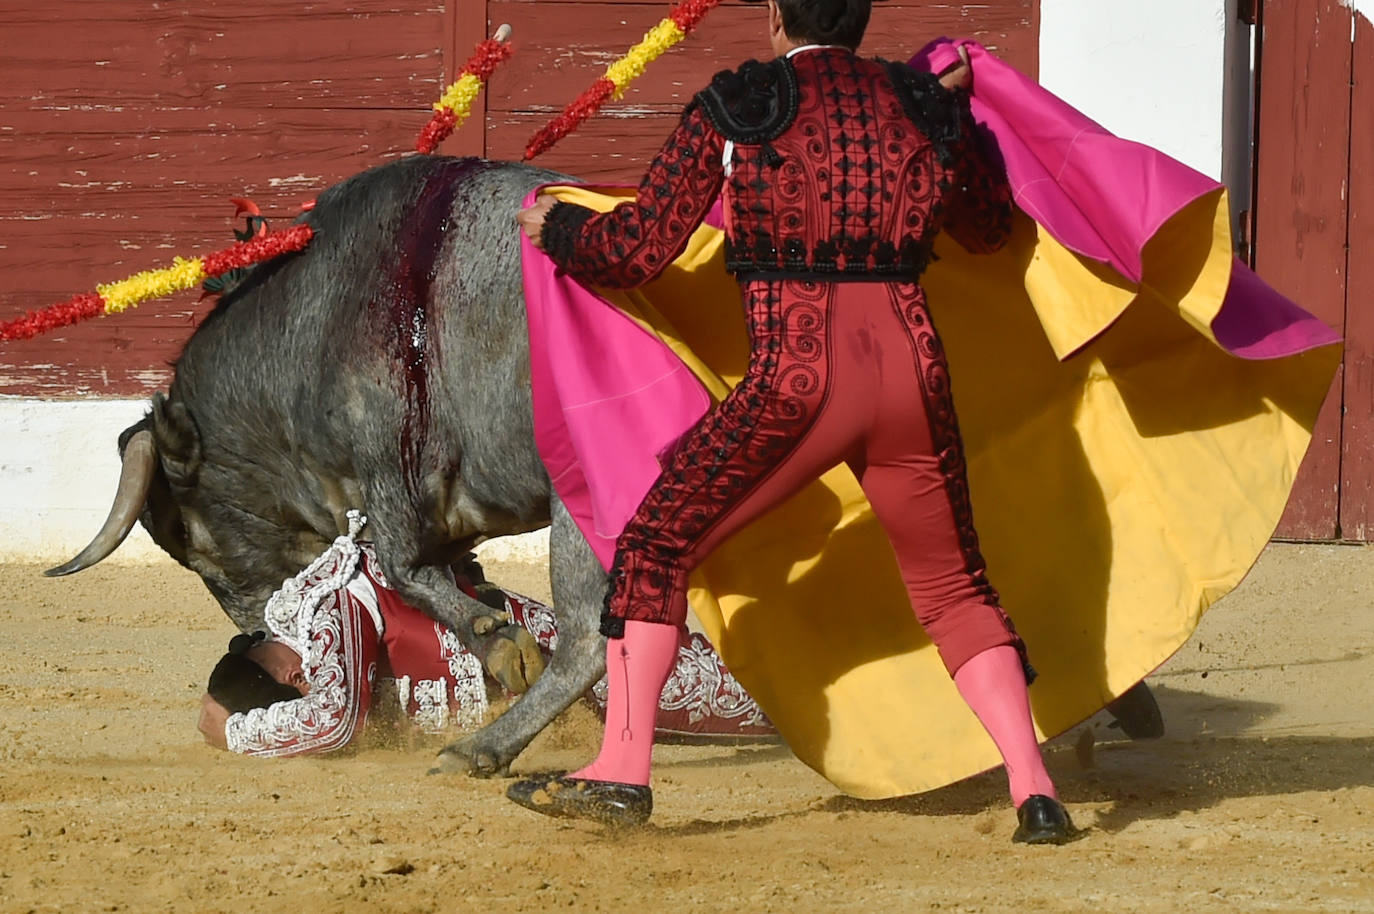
[(812, 47)]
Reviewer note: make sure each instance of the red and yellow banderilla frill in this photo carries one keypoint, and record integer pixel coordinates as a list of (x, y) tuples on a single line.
[(679, 23), (184, 273), (456, 103)]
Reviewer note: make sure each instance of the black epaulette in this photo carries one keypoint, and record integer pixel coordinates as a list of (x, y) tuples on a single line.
[(753, 104), (939, 113)]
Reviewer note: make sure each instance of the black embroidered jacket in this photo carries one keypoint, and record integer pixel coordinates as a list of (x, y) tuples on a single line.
[(839, 168)]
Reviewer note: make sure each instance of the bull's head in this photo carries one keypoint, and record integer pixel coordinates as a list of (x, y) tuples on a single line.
[(160, 486)]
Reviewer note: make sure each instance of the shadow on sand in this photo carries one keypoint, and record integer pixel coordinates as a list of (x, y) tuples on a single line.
[(1210, 754)]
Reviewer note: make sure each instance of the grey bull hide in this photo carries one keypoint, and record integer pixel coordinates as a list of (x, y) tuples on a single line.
[(385, 368)]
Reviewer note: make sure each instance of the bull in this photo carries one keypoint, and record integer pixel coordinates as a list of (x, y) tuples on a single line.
[(385, 368)]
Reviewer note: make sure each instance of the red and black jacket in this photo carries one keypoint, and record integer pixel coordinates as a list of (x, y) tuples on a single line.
[(839, 168)]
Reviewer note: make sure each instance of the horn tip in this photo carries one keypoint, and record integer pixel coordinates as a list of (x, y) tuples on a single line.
[(61, 570)]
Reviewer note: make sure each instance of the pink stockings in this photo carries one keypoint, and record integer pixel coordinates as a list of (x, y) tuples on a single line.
[(637, 666), (993, 684)]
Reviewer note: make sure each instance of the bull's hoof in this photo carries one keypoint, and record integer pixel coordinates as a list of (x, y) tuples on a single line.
[(513, 658), (467, 756), (1137, 713)]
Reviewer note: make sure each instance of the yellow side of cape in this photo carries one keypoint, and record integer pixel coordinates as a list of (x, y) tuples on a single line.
[(1125, 474)]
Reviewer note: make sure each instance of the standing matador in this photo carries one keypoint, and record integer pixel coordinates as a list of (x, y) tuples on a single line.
[(837, 173)]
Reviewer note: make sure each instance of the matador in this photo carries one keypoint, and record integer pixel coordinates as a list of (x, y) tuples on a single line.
[(836, 173)]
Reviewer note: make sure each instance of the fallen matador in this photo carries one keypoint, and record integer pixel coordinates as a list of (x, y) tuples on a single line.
[(334, 631)]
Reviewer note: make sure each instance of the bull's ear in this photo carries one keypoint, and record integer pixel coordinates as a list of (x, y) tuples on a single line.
[(162, 519), (178, 441)]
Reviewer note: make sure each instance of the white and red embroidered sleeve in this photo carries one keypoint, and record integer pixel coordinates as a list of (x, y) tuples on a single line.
[(328, 716)]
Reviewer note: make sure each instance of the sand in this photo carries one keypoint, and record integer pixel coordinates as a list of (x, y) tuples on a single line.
[(1259, 798)]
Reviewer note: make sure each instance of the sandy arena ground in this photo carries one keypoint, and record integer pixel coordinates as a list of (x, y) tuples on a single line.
[(1260, 798)]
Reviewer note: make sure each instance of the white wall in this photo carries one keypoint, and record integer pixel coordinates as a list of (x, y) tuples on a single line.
[(1155, 72), (1151, 72), (59, 466)]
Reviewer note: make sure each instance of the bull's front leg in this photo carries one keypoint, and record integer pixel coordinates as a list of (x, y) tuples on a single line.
[(579, 659), (508, 652)]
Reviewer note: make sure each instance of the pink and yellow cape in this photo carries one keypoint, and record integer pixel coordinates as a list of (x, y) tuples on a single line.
[(1134, 404)]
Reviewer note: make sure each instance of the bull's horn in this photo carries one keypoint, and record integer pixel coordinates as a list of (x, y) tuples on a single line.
[(135, 478)]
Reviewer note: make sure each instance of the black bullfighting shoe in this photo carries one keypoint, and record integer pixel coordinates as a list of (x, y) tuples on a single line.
[(1042, 820), (607, 802)]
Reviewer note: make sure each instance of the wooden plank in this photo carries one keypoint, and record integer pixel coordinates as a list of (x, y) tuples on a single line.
[(116, 54), (44, 161), (612, 148), (555, 62), (466, 24), (52, 258), (280, 160), (1300, 209), (128, 355), (1357, 443), (132, 202), (558, 58)]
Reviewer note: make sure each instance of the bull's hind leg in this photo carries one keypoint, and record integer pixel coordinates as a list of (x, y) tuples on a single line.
[(579, 660)]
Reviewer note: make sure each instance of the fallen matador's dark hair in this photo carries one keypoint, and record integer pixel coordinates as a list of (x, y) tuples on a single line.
[(241, 685)]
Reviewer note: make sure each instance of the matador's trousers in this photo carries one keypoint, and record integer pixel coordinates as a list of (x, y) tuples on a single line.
[(849, 372)]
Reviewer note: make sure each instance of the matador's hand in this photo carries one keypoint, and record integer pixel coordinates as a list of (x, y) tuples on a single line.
[(532, 219), (959, 76), (213, 718)]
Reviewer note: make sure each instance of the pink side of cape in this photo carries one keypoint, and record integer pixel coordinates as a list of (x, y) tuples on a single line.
[(1105, 197), (608, 398)]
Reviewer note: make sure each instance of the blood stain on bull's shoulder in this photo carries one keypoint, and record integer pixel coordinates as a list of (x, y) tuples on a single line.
[(413, 267)]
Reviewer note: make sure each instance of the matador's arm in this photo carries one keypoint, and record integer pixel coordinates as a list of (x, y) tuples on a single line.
[(637, 240)]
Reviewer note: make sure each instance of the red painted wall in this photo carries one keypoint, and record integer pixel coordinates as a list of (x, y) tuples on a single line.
[(557, 59), (1357, 440), (1314, 236), (126, 126)]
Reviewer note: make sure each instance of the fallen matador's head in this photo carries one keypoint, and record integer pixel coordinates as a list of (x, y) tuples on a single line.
[(240, 684)]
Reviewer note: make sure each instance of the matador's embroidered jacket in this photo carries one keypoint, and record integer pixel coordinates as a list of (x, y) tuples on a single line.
[(833, 167), (351, 629)]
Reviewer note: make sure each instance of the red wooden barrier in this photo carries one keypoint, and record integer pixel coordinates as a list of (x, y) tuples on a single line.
[(1301, 211), (1357, 441), (560, 53), (126, 125)]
